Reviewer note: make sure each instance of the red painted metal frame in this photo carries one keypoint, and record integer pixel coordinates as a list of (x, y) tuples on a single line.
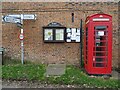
[(89, 47)]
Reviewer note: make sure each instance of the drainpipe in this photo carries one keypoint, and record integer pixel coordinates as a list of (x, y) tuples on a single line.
[(81, 43)]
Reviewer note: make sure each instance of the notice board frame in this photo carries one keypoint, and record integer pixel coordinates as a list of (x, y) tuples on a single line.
[(54, 35)]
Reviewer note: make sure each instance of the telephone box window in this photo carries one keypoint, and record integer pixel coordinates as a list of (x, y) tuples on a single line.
[(54, 32), (100, 27)]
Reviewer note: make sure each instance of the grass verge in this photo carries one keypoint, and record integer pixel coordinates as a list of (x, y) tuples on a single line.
[(73, 76)]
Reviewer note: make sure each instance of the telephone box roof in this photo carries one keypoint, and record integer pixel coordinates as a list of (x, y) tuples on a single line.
[(98, 15)]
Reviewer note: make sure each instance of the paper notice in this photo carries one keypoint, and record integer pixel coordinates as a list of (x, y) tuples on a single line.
[(73, 36), (68, 40), (68, 30), (101, 33), (78, 30), (77, 38)]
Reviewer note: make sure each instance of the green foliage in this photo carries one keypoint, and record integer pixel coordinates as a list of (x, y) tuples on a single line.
[(73, 76)]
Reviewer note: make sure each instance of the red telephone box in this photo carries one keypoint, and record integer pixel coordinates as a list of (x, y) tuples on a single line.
[(98, 44)]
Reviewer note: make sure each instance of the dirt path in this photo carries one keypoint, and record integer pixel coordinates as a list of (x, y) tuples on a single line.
[(26, 84)]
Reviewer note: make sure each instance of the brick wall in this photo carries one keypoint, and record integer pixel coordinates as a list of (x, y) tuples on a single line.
[(38, 51), (119, 32)]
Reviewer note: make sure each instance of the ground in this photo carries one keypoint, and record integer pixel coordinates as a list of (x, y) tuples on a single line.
[(33, 84), (38, 76)]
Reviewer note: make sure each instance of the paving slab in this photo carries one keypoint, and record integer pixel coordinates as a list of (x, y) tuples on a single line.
[(55, 69), (115, 75)]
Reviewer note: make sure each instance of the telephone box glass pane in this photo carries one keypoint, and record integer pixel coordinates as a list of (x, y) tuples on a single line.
[(100, 28), (104, 53), (99, 64)]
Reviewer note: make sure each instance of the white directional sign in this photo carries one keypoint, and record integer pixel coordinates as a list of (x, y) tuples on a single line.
[(10, 19), (25, 16), (16, 18), (15, 15), (29, 16), (2, 19)]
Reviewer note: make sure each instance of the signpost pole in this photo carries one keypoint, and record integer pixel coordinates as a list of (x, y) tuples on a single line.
[(22, 43), (22, 52)]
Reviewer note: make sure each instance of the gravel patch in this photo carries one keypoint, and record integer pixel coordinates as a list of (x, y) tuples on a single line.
[(33, 84)]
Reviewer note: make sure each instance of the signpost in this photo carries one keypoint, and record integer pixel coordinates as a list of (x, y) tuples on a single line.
[(18, 20)]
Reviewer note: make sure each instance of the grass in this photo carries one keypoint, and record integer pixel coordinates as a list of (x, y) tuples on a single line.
[(21, 72), (8, 61), (73, 76)]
